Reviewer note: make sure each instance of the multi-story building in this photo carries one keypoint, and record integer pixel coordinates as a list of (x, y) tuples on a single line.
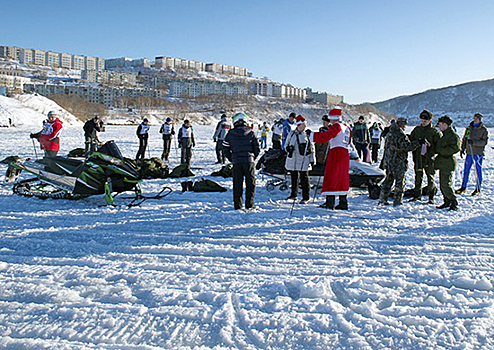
[(65, 60), (125, 62), (39, 57), (11, 52), (89, 63), (52, 59), (78, 62), (26, 56), (11, 79)]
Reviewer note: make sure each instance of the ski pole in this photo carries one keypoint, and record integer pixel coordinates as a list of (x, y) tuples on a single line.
[(35, 152)]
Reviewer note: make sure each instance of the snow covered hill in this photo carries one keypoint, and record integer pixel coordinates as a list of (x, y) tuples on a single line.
[(460, 102), (29, 109)]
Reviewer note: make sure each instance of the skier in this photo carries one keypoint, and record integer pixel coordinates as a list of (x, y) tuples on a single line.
[(361, 138), (186, 142), (222, 129), (91, 141), (423, 156), (446, 148), (242, 148), (143, 135), (395, 161), (300, 157), (167, 130), (49, 136), (375, 132), (288, 125), (473, 144), (264, 135), (336, 180), (277, 134)]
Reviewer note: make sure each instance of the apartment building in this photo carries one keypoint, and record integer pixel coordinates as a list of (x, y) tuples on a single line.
[(125, 62), (195, 88), (10, 52), (39, 57), (52, 59), (11, 79)]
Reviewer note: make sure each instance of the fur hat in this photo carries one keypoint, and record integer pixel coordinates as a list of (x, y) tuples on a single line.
[(299, 119), (425, 114), (445, 119)]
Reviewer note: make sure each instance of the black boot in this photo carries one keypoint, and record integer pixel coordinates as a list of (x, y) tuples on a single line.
[(329, 204), (453, 206), (190, 185), (343, 204), (184, 186), (431, 198), (446, 204)]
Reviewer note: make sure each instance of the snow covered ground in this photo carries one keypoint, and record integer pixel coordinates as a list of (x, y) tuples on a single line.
[(189, 272)]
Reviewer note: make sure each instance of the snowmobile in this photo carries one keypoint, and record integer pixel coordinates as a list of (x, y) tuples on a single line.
[(104, 172), (272, 164)]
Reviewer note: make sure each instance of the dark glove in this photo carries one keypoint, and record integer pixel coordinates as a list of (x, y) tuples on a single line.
[(462, 153), (308, 132), (421, 140), (470, 141), (179, 145), (215, 139), (33, 136)]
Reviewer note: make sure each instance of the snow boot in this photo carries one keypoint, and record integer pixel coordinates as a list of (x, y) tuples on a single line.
[(453, 206), (461, 190), (476, 192), (446, 204), (190, 185), (184, 186), (431, 198), (329, 204), (343, 204)]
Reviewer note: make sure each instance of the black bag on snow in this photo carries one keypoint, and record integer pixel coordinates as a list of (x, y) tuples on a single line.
[(183, 170), (205, 185)]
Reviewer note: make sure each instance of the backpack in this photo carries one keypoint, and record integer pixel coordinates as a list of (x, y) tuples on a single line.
[(225, 171), (205, 185), (183, 170)]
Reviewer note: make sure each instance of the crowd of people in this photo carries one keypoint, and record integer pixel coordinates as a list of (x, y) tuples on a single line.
[(432, 148)]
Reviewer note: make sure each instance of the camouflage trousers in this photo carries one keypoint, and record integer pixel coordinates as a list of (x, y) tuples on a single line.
[(396, 177)]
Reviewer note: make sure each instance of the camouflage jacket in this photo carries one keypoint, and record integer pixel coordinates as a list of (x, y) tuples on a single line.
[(396, 149), (446, 148), (430, 134)]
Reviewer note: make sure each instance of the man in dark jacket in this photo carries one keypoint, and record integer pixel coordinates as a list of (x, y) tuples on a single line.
[(422, 156), (91, 141), (167, 130), (446, 148), (361, 138), (242, 148), (473, 144), (142, 133), (186, 141)]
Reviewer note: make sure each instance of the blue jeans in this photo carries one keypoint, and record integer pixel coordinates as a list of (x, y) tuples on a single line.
[(469, 160), (264, 142)]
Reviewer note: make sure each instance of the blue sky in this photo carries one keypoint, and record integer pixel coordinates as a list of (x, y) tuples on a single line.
[(367, 51)]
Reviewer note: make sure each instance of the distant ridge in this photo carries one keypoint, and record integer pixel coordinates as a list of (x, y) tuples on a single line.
[(460, 102)]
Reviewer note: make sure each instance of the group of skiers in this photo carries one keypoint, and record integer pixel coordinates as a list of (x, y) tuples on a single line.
[(432, 149)]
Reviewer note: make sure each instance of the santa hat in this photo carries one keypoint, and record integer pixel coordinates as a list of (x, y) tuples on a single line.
[(299, 119), (335, 114)]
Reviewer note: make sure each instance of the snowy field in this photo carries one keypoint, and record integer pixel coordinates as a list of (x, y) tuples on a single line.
[(189, 272)]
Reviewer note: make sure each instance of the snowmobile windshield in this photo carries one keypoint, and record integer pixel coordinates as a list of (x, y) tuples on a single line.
[(110, 148)]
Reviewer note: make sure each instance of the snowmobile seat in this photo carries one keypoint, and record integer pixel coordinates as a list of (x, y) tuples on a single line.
[(62, 166)]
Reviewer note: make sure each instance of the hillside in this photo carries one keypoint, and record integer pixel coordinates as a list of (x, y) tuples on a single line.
[(459, 101)]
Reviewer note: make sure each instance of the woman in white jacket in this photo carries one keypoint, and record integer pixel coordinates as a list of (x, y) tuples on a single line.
[(300, 157)]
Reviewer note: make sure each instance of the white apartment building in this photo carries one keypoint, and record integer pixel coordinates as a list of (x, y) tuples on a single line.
[(52, 59), (12, 80), (89, 63), (65, 60), (78, 62), (26, 56), (125, 62), (39, 57)]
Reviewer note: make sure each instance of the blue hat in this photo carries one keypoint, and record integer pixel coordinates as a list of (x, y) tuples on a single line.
[(168, 119)]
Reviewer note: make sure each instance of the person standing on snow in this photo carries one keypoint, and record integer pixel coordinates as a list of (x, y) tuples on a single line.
[(167, 130), (446, 148), (222, 129), (423, 156), (242, 148), (473, 144), (395, 161), (49, 136), (264, 135), (361, 138), (300, 157), (288, 125), (142, 133), (91, 141), (336, 181), (375, 132), (277, 134), (186, 142)]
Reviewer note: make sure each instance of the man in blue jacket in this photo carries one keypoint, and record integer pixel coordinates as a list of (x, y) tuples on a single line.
[(242, 148), (288, 126)]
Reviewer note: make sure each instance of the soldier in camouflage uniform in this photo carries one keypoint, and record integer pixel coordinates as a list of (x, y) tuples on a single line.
[(422, 156), (446, 148), (395, 161)]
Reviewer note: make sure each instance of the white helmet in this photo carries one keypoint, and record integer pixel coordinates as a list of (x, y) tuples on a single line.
[(240, 117)]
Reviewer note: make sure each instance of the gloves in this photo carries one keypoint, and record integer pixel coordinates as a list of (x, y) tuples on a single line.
[(470, 141), (462, 153), (33, 136), (421, 140), (179, 145), (215, 139)]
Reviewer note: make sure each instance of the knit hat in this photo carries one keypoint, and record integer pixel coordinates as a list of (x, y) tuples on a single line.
[(292, 115), (299, 119), (223, 116), (145, 120), (445, 119), (402, 121), (335, 114), (168, 119), (425, 114), (325, 118), (478, 115)]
